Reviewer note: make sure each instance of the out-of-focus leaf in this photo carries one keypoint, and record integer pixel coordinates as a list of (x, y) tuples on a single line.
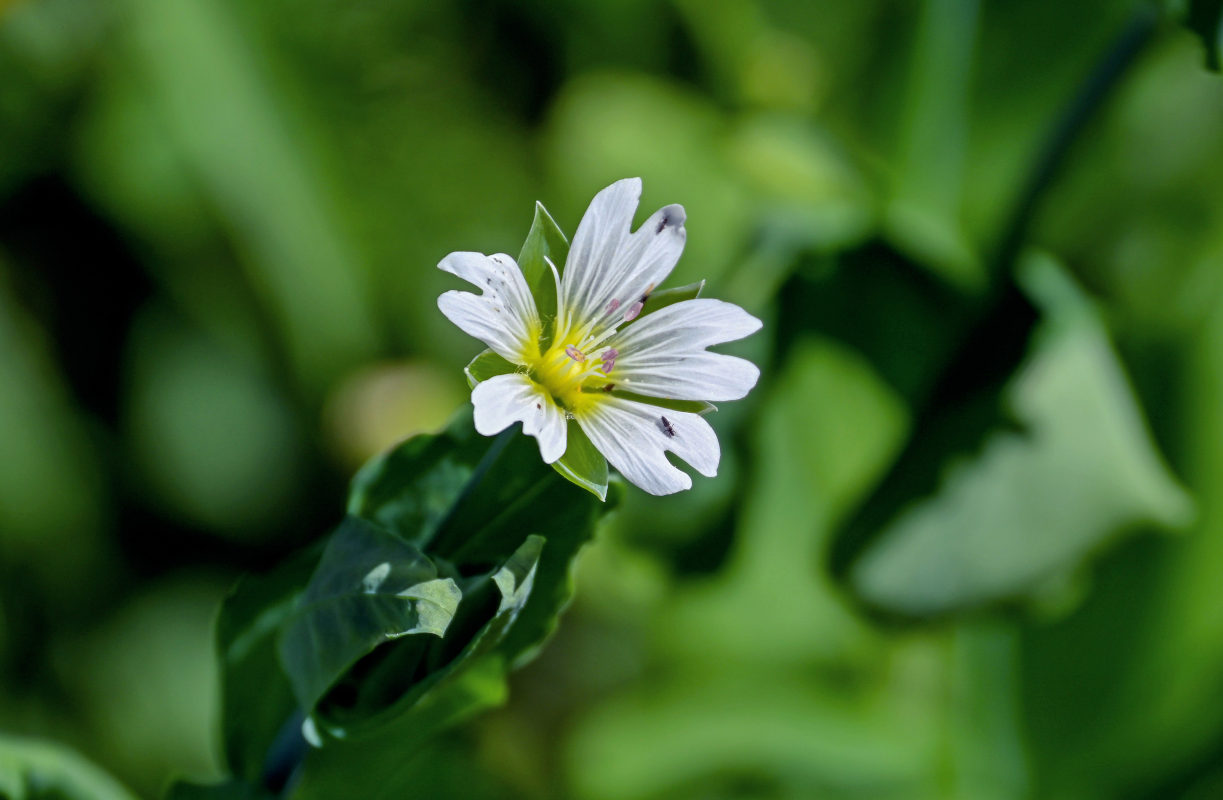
[(606, 125), (370, 587), (230, 790), (246, 148), (35, 770), (213, 438), (256, 697), (545, 242), (924, 212), (676, 737), (582, 463), (870, 299), (1036, 502), (51, 492), (486, 365), (1098, 724), (1205, 18)]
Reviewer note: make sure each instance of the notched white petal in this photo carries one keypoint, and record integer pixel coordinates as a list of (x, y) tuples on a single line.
[(634, 437), (503, 400), (664, 354), (610, 271), (503, 315)]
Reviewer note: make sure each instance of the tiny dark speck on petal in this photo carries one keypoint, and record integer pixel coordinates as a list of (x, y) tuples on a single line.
[(668, 218), (537, 405)]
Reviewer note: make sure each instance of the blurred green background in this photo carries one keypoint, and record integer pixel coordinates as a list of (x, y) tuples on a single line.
[(967, 538)]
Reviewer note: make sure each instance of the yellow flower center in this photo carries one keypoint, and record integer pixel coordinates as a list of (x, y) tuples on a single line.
[(570, 376)]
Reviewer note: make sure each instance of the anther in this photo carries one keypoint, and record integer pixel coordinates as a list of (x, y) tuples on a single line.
[(609, 359), (574, 353), (633, 311)]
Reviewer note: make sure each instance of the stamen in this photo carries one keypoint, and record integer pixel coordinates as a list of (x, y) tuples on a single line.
[(613, 305), (574, 353), (609, 359), (633, 311)]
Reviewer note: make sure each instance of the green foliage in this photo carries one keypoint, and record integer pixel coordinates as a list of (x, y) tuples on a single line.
[(33, 770), (230, 790), (219, 225), (256, 695), (447, 535), (369, 588), (1036, 501), (1205, 18)]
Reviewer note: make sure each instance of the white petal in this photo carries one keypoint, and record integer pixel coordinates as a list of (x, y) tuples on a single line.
[(664, 354), (504, 315), (610, 269), (634, 437), (503, 400)]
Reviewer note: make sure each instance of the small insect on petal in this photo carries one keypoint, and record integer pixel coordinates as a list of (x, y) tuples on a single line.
[(665, 425)]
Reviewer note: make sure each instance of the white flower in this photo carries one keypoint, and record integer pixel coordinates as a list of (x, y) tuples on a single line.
[(594, 367)]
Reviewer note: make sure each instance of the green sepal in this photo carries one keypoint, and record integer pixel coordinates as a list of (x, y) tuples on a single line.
[(665, 297), (583, 464), (545, 240), (486, 365), (691, 406)]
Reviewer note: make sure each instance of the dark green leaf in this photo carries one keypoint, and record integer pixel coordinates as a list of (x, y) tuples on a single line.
[(509, 493), (256, 698), (471, 677), (582, 463), (411, 488), (1033, 503), (545, 242), (374, 763), (1205, 18), (485, 366), (482, 510), (230, 790), (369, 588)]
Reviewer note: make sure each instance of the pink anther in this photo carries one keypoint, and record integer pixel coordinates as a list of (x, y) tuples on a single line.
[(574, 353), (633, 311), (609, 359)]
